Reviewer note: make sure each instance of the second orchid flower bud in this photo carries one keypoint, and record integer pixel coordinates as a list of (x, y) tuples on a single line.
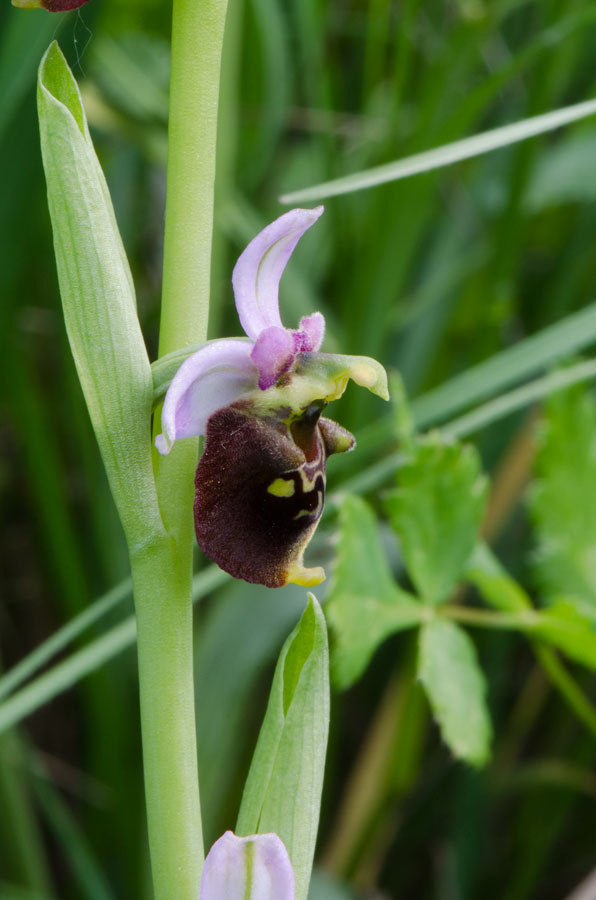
[(247, 868)]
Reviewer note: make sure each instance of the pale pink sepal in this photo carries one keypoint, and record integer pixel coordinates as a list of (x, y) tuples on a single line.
[(258, 270), (247, 868), (214, 376)]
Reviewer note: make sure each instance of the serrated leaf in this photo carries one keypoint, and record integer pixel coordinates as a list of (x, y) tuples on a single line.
[(364, 604), (98, 300), (283, 789), (436, 512), (456, 688), (562, 501)]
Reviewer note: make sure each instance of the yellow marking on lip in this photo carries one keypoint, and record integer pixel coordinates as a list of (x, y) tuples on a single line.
[(282, 487), (308, 484), (297, 574), (312, 512)]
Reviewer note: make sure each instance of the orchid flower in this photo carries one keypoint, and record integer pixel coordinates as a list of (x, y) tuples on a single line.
[(260, 483), (247, 868)]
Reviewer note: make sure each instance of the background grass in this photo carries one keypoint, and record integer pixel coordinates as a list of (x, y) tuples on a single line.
[(434, 275)]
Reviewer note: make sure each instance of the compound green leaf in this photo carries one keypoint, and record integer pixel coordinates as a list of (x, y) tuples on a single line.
[(562, 502), (455, 685), (564, 626), (364, 604), (493, 582), (436, 512)]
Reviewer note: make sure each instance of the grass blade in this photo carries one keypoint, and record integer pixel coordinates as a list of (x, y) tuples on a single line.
[(63, 637), (83, 662), (445, 155), (539, 351)]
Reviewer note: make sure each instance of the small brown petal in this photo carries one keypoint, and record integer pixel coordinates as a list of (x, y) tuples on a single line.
[(260, 488)]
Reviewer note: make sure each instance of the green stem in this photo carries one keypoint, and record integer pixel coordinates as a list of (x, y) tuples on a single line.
[(197, 37), (485, 618), (162, 575), (164, 640)]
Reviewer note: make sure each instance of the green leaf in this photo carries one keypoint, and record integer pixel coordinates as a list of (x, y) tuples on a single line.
[(510, 402), (564, 626), (445, 155), (81, 663), (364, 604), (436, 512), (562, 500), (283, 788), (64, 636), (455, 685), (98, 300), (518, 362), (232, 656), (493, 582)]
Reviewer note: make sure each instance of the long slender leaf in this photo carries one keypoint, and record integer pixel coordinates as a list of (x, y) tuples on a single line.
[(63, 637), (446, 155), (283, 788), (539, 351), (511, 402), (98, 300)]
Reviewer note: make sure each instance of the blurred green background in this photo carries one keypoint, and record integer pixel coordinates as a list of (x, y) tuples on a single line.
[(431, 275)]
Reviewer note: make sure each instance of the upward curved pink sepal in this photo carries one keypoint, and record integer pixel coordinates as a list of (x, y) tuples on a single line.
[(247, 868), (259, 268), (214, 376)]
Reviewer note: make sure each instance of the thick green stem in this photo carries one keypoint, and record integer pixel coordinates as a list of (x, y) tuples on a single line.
[(197, 37), (162, 576), (164, 639)]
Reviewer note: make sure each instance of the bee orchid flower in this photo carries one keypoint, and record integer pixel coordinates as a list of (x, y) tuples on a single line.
[(260, 484), (247, 868)]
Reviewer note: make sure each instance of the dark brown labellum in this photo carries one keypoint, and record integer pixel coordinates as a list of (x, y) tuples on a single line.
[(62, 5), (260, 489)]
